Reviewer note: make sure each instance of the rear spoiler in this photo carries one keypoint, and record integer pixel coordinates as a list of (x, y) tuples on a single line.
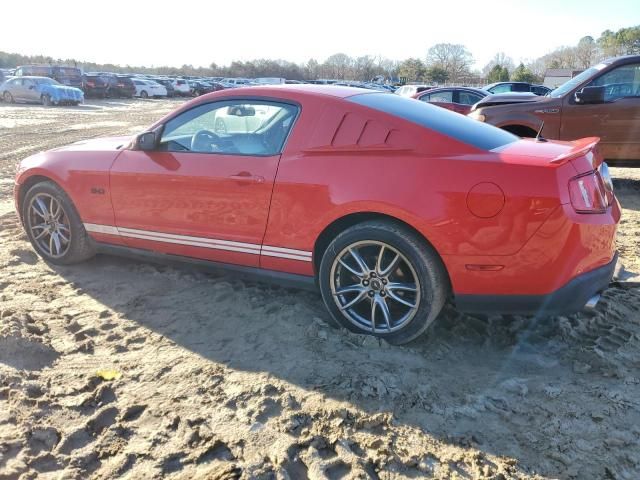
[(580, 148)]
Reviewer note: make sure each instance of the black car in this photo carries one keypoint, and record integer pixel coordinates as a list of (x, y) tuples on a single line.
[(118, 86), (509, 87), (200, 88), (94, 85)]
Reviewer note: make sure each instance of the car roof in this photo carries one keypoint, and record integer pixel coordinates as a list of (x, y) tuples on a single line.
[(310, 89), (491, 85), (469, 89), (622, 59)]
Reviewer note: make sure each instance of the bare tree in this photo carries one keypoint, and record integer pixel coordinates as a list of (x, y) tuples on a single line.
[(586, 52), (455, 59), (501, 59)]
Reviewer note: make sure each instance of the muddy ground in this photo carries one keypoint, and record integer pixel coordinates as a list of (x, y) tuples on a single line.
[(123, 369)]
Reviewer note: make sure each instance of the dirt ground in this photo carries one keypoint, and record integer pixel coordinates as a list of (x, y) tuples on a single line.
[(123, 369)]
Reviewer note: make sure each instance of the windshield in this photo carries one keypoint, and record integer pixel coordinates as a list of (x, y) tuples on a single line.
[(575, 81)]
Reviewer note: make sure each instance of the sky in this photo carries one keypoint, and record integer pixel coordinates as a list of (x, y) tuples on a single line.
[(154, 33)]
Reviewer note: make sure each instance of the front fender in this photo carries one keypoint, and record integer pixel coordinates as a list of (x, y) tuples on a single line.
[(85, 179)]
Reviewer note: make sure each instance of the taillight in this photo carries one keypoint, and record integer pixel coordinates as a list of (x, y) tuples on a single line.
[(588, 193)]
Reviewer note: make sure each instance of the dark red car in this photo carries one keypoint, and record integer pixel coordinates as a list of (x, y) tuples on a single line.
[(457, 99), (391, 206)]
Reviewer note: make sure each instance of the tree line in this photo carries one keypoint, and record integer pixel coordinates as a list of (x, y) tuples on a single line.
[(444, 62)]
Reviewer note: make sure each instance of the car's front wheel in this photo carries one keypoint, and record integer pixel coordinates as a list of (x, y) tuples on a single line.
[(382, 279), (7, 97), (54, 226)]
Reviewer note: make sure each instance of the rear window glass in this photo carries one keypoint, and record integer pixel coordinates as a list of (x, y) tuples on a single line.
[(38, 71), (463, 129), (68, 72)]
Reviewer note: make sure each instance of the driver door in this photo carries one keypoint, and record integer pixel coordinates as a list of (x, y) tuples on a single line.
[(200, 193), (616, 121)]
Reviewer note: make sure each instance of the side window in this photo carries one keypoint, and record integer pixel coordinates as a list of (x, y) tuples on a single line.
[(520, 87), (468, 98), (445, 97), (235, 127), (504, 88), (620, 82)]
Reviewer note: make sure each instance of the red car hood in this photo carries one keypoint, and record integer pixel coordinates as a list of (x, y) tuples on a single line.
[(97, 144)]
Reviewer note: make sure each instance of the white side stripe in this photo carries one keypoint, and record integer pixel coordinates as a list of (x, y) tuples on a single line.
[(285, 255), (253, 249), (210, 241), (92, 227), (291, 251)]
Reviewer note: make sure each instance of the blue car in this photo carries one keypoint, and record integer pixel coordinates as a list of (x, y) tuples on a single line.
[(40, 90)]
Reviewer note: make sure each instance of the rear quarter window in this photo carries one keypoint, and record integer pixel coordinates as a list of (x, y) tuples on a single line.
[(441, 120)]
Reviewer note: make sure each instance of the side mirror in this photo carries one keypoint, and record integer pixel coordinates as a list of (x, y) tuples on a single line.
[(146, 141), (590, 95)]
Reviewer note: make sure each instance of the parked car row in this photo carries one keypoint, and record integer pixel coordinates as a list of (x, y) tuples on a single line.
[(461, 99)]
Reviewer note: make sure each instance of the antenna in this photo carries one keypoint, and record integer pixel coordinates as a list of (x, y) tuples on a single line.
[(539, 137)]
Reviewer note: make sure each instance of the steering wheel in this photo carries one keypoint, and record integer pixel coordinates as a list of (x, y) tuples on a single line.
[(204, 141)]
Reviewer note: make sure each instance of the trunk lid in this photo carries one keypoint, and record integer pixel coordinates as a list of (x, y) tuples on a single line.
[(582, 153)]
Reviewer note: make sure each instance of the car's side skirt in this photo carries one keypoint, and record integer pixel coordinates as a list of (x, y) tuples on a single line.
[(284, 279), (203, 242)]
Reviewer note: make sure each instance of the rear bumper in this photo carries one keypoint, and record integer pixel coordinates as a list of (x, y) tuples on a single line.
[(570, 298)]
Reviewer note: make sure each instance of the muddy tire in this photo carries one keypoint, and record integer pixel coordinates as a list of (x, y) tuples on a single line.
[(381, 278), (53, 225)]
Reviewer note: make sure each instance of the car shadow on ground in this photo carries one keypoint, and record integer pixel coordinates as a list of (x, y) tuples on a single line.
[(524, 388)]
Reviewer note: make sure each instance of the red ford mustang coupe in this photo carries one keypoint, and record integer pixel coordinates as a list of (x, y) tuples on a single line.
[(390, 206)]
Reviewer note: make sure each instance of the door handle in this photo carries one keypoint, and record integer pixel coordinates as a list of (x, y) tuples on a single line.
[(246, 177)]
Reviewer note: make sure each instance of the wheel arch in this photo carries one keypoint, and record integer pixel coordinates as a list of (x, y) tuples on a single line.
[(29, 182), (346, 221)]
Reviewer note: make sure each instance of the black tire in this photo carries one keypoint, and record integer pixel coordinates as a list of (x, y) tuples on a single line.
[(419, 258), (80, 248), (144, 94), (45, 100), (8, 97)]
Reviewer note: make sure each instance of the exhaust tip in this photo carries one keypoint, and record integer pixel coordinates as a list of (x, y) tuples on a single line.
[(592, 302)]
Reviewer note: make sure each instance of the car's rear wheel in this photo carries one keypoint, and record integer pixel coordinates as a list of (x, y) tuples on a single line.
[(45, 100), (382, 279), (54, 226), (144, 94), (7, 97)]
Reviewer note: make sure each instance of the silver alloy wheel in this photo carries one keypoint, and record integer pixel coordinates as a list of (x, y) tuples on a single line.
[(49, 225), (375, 286)]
